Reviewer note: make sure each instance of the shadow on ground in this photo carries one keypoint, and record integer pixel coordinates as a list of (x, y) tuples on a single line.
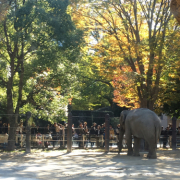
[(81, 164)]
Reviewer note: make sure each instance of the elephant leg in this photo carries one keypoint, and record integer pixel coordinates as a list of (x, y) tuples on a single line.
[(121, 136), (136, 146), (152, 150), (129, 144)]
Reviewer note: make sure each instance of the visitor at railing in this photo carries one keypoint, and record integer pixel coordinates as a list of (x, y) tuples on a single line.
[(178, 130), (54, 137), (92, 133), (80, 131), (4, 128), (86, 133)]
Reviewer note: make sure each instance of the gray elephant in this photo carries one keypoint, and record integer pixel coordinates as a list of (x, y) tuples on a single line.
[(142, 123)]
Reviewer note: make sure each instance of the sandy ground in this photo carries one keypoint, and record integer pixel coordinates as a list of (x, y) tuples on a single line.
[(82, 164)]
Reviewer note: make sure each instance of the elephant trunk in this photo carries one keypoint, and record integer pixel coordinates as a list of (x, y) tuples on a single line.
[(121, 136)]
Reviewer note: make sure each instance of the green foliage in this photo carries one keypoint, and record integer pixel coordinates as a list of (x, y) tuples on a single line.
[(39, 47), (95, 90), (169, 96)]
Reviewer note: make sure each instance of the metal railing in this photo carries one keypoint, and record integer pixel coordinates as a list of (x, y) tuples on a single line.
[(66, 139), (56, 140), (84, 141)]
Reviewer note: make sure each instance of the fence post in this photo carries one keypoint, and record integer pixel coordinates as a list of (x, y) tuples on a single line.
[(28, 133), (43, 141), (174, 133), (21, 145), (107, 133), (63, 139), (83, 136), (69, 133)]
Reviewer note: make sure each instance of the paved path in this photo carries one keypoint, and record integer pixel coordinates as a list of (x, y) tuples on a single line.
[(88, 165)]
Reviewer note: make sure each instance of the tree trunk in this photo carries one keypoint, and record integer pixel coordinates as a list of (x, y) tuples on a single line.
[(147, 104), (11, 116), (12, 133)]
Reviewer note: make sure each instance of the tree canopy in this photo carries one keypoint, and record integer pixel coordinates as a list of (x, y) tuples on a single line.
[(38, 50), (88, 53), (127, 41)]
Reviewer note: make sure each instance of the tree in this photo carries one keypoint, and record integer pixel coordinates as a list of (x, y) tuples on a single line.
[(35, 36), (130, 45), (169, 96), (95, 92)]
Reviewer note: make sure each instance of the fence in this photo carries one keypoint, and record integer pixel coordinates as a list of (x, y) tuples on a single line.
[(58, 141), (84, 141), (46, 137), (43, 137)]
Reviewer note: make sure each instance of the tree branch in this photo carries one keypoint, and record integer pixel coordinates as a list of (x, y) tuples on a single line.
[(7, 39)]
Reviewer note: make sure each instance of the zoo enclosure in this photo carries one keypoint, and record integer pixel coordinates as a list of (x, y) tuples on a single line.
[(40, 140)]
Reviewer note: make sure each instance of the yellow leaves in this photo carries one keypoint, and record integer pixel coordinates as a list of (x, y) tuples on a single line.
[(171, 75), (122, 49), (58, 88), (138, 84), (127, 99), (175, 76)]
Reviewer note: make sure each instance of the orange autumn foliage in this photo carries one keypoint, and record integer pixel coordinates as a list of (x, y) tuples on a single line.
[(126, 43)]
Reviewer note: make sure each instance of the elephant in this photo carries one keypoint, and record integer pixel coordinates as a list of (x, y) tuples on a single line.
[(140, 123)]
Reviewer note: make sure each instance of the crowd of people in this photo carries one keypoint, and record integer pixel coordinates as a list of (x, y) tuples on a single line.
[(166, 133), (81, 130), (59, 132), (95, 131)]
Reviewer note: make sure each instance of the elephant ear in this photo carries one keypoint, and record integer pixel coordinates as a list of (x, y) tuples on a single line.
[(123, 115)]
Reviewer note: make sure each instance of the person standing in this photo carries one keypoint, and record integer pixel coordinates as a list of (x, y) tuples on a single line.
[(92, 135), (73, 130), (111, 134), (86, 128), (178, 130), (86, 134), (80, 132), (102, 128), (47, 135), (165, 137), (98, 133), (117, 129), (4, 128)]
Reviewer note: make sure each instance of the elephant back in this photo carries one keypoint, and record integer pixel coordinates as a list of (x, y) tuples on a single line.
[(143, 123)]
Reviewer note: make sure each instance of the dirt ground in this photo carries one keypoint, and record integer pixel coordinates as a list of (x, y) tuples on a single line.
[(88, 164)]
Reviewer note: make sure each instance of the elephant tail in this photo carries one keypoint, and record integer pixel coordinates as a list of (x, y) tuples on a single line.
[(157, 134)]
